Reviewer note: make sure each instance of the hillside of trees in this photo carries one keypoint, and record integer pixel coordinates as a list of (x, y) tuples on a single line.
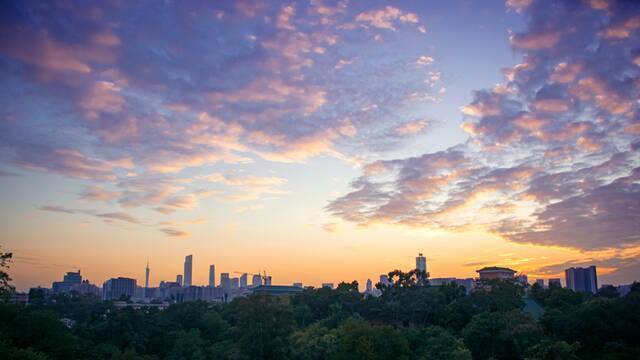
[(411, 320)]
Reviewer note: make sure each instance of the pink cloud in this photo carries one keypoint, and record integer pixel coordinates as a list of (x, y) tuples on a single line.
[(386, 18)]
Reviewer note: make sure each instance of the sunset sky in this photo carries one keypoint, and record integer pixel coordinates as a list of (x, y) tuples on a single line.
[(319, 141)]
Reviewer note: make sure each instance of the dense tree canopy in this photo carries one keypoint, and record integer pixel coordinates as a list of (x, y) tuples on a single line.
[(410, 320)]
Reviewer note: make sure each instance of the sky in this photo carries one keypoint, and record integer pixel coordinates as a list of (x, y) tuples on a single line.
[(319, 141)]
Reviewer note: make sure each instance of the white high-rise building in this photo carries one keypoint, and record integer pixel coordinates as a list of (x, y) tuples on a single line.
[(257, 280), (212, 275), (188, 270), (421, 263)]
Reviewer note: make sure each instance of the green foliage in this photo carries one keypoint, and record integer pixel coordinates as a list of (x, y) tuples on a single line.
[(263, 325), (434, 342), (553, 350), (357, 339), (5, 287), (410, 320), (501, 335)]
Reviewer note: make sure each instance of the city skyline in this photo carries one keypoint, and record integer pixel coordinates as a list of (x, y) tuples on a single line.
[(321, 141), (576, 279)]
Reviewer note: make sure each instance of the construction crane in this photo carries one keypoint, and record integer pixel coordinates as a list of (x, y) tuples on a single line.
[(263, 275)]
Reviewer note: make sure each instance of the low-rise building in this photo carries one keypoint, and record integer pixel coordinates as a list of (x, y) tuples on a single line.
[(276, 290), (468, 283), (496, 272)]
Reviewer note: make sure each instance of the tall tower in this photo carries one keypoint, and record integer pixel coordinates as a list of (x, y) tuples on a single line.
[(421, 263), (188, 268), (212, 275), (146, 280)]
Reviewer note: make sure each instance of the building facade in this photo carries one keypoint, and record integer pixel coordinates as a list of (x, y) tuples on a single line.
[(421, 263), (118, 288), (495, 272), (212, 275), (582, 279), (188, 270)]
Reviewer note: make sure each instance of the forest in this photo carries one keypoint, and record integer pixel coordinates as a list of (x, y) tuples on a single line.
[(410, 320)]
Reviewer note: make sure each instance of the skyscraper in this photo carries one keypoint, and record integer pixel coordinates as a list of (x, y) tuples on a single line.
[(146, 280), (188, 268), (224, 281), (256, 281), (179, 279), (212, 275), (243, 281), (369, 286), (421, 263), (582, 279)]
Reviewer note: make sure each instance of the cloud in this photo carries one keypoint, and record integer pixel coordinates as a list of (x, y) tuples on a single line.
[(551, 157), (104, 101), (98, 193), (248, 187), (175, 232), (54, 208), (330, 227), (387, 18), (411, 128), (106, 216)]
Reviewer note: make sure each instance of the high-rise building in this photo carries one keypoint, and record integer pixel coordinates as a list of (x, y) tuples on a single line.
[(188, 268), (179, 279), (212, 275), (256, 281), (72, 282), (146, 280), (224, 280), (243, 281), (421, 263), (582, 279), (554, 282), (146, 276), (369, 286), (235, 282), (72, 277), (267, 280), (117, 288), (69, 281)]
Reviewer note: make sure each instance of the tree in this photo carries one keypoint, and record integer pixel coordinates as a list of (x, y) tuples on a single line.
[(434, 342), (501, 335), (5, 288), (608, 291), (189, 345), (316, 342), (360, 340), (553, 350), (264, 323)]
